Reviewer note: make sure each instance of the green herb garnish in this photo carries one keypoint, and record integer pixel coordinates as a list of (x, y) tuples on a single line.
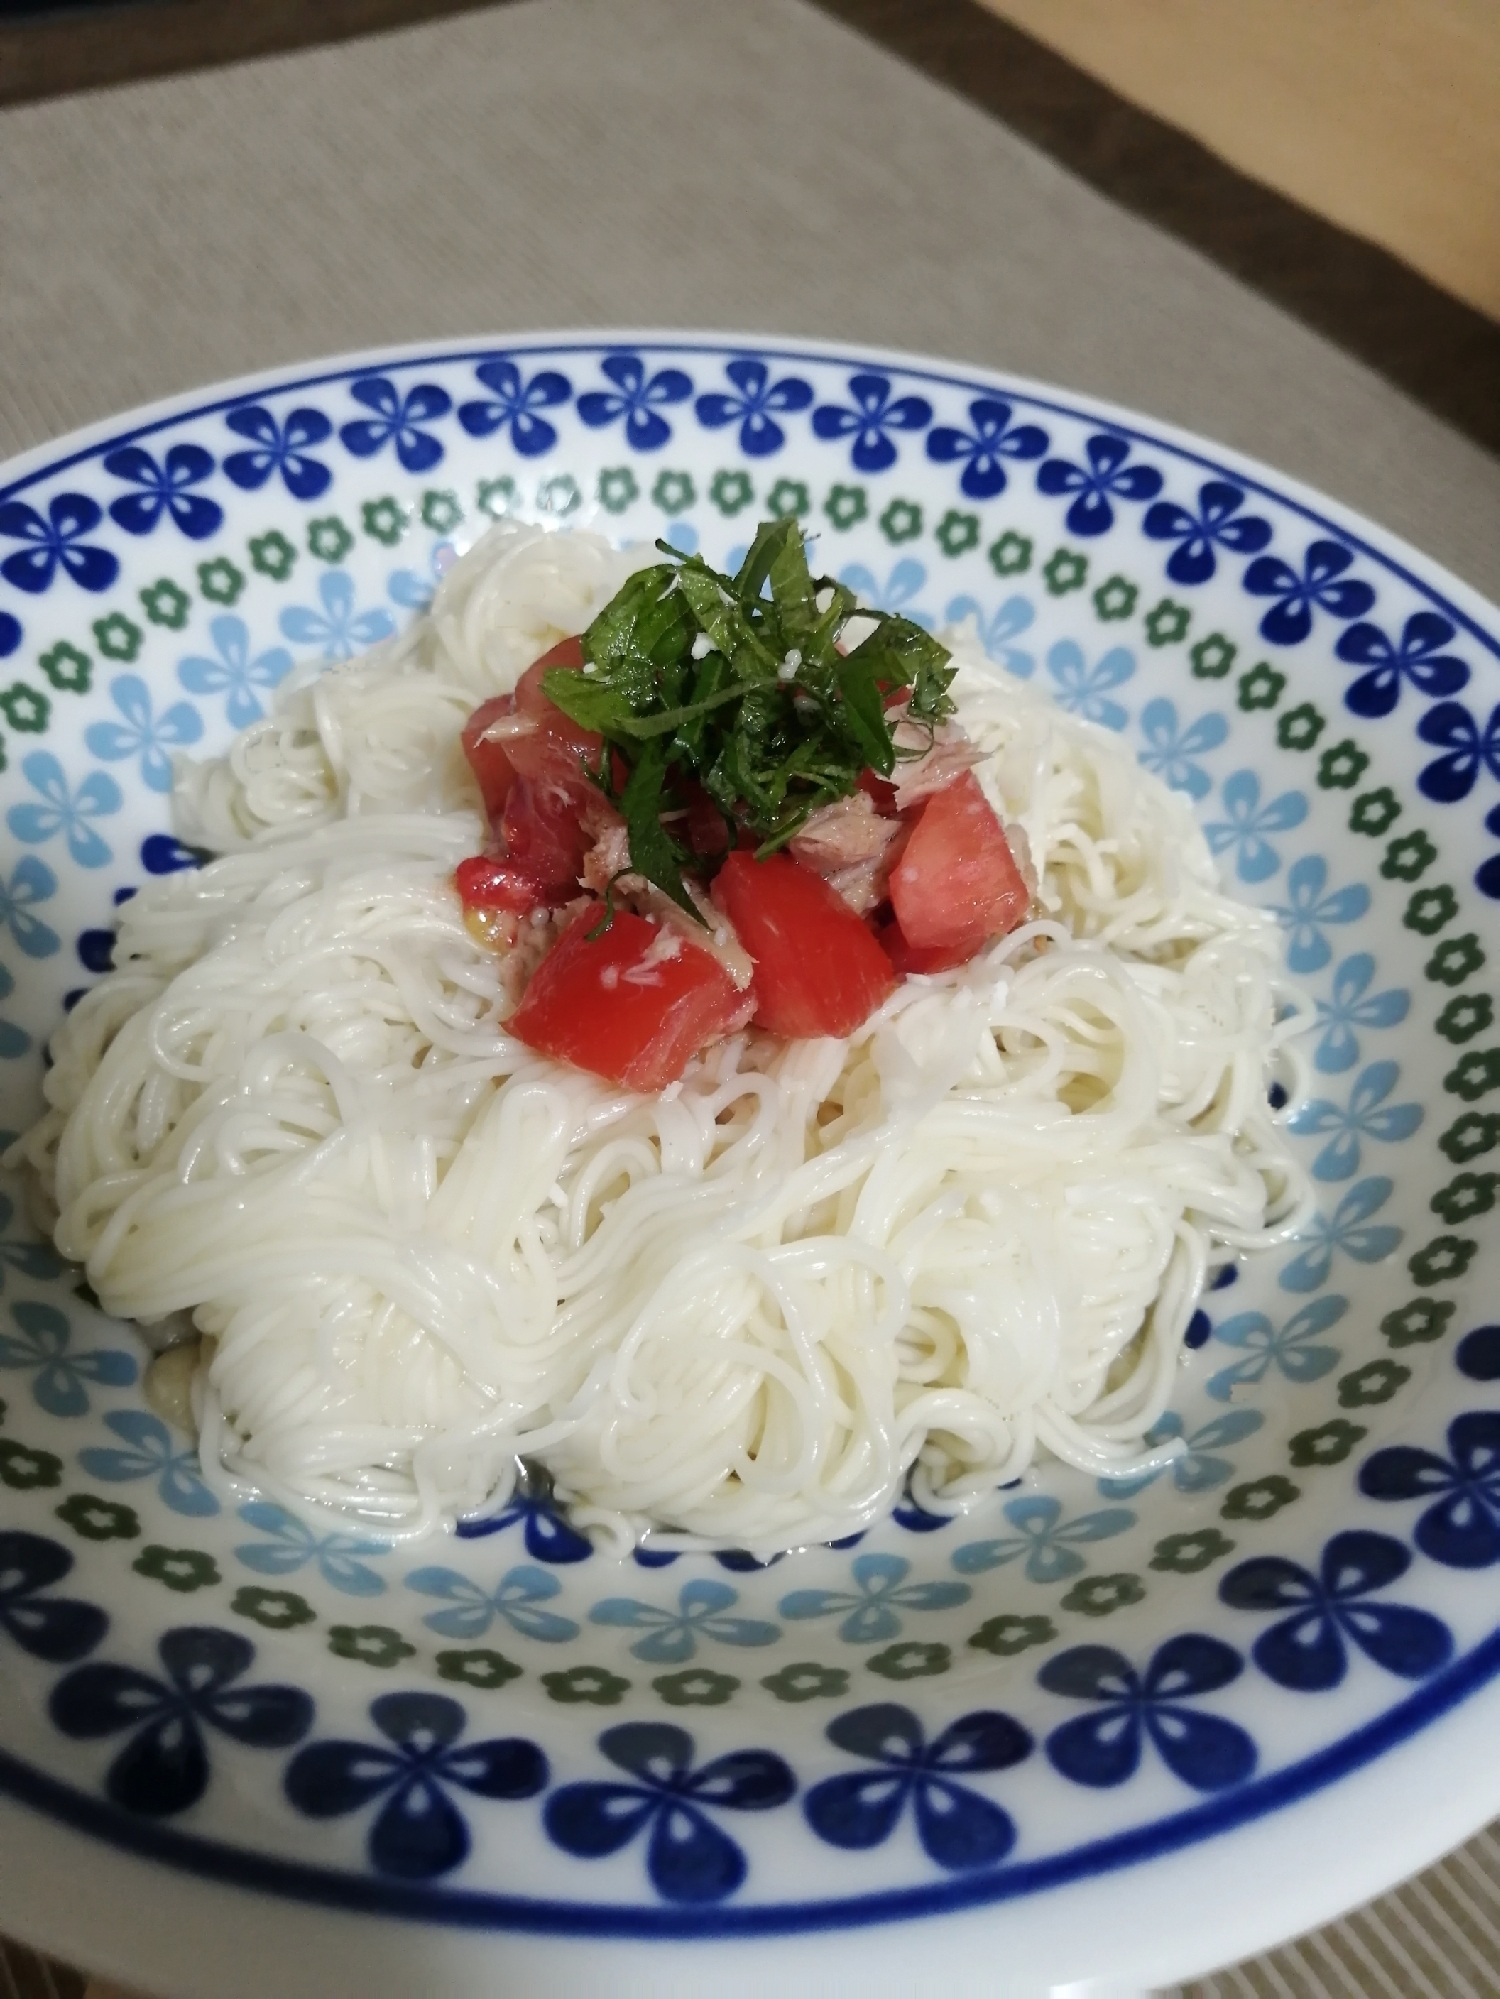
[(735, 685)]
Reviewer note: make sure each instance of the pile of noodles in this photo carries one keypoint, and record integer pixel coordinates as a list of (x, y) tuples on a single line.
[(746, 1312)]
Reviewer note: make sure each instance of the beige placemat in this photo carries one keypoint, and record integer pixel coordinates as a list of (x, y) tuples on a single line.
[(687, 162), (1383, 115)]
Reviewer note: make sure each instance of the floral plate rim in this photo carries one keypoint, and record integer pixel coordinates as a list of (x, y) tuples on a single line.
[(1437, 1697)]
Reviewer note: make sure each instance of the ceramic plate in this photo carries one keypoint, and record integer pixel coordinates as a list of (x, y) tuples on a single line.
[(1096, 1730)]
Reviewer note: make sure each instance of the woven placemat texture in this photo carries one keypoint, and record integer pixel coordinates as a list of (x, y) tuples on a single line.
[(694, 163)]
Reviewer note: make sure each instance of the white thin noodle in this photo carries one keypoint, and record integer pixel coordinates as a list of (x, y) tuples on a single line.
[(740, 1313)]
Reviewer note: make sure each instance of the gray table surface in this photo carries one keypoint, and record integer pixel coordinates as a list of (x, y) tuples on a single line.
[(694, 163)]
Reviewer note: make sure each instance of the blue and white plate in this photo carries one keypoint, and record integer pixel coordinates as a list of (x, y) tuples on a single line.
[(1118, 1730)]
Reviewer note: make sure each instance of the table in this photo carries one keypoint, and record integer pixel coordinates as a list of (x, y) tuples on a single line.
[(530, 165)]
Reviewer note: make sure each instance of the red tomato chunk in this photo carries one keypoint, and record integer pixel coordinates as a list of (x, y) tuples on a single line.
[(817, 968), (632, 1005), (957, 884), (485, 882)]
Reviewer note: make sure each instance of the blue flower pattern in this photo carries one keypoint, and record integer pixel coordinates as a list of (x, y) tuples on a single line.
[(689, 1859), (149, 1452), (1244, 831), (1462, 1528), (56, 541), (338, 630), (1460, 1493), (1353, 1006), (983, 451), (870, 1609), (869, 417), (1321, 584), (1048, 1543), (703, 1610), (41, 1346), (1293, 1349), (514, 404), (1132, 1708), (1469, 749), (1172, 748), (31, 882), (233, 673), (58, 1629), (548, 1536), (1106, 477), (1311, 907), (65, 811), (1420, 655), (142, 734), (897, 593), (517, 1600), (756, 403), (1086, 690), (1217, 522), (418, 1832), (1366, 1115), (959, 1828), (163, 1768), (1348, 1230), (1198, 1468), (165, 489), (398, 419), (638, 396), (1015, 616), (292, 1545), (1322, 1614), (277, 447)]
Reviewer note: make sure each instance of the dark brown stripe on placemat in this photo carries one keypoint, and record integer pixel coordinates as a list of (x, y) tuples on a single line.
[(85, 47), (1442, 352)]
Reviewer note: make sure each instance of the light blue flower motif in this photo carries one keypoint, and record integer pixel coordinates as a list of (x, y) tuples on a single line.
[(293, 1545), (1291, 1349), (1049, 1544), (1015, 615), (870, 1608), (413, 590), (895, 594), (140, 734), (234, 672), (1367, 1115), (37, 1260), (14, 1041), (65, 811), (32, 882), (1083, 689), (1349, 1231), (1353, 1005), (338, 628), (516, 1600), (151, 1453), (1171, 747), (1197, 1470), (672, 1636), (1243, 832), (41, 1346), (1308, 908)]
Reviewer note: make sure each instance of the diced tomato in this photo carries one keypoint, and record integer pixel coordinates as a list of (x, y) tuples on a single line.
[(546, 833), (906, 958), (706, 830), (545, 746), (486, 882), (490, 761), (957, 883), (632, 1005), (879, 791), (817, 968)]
